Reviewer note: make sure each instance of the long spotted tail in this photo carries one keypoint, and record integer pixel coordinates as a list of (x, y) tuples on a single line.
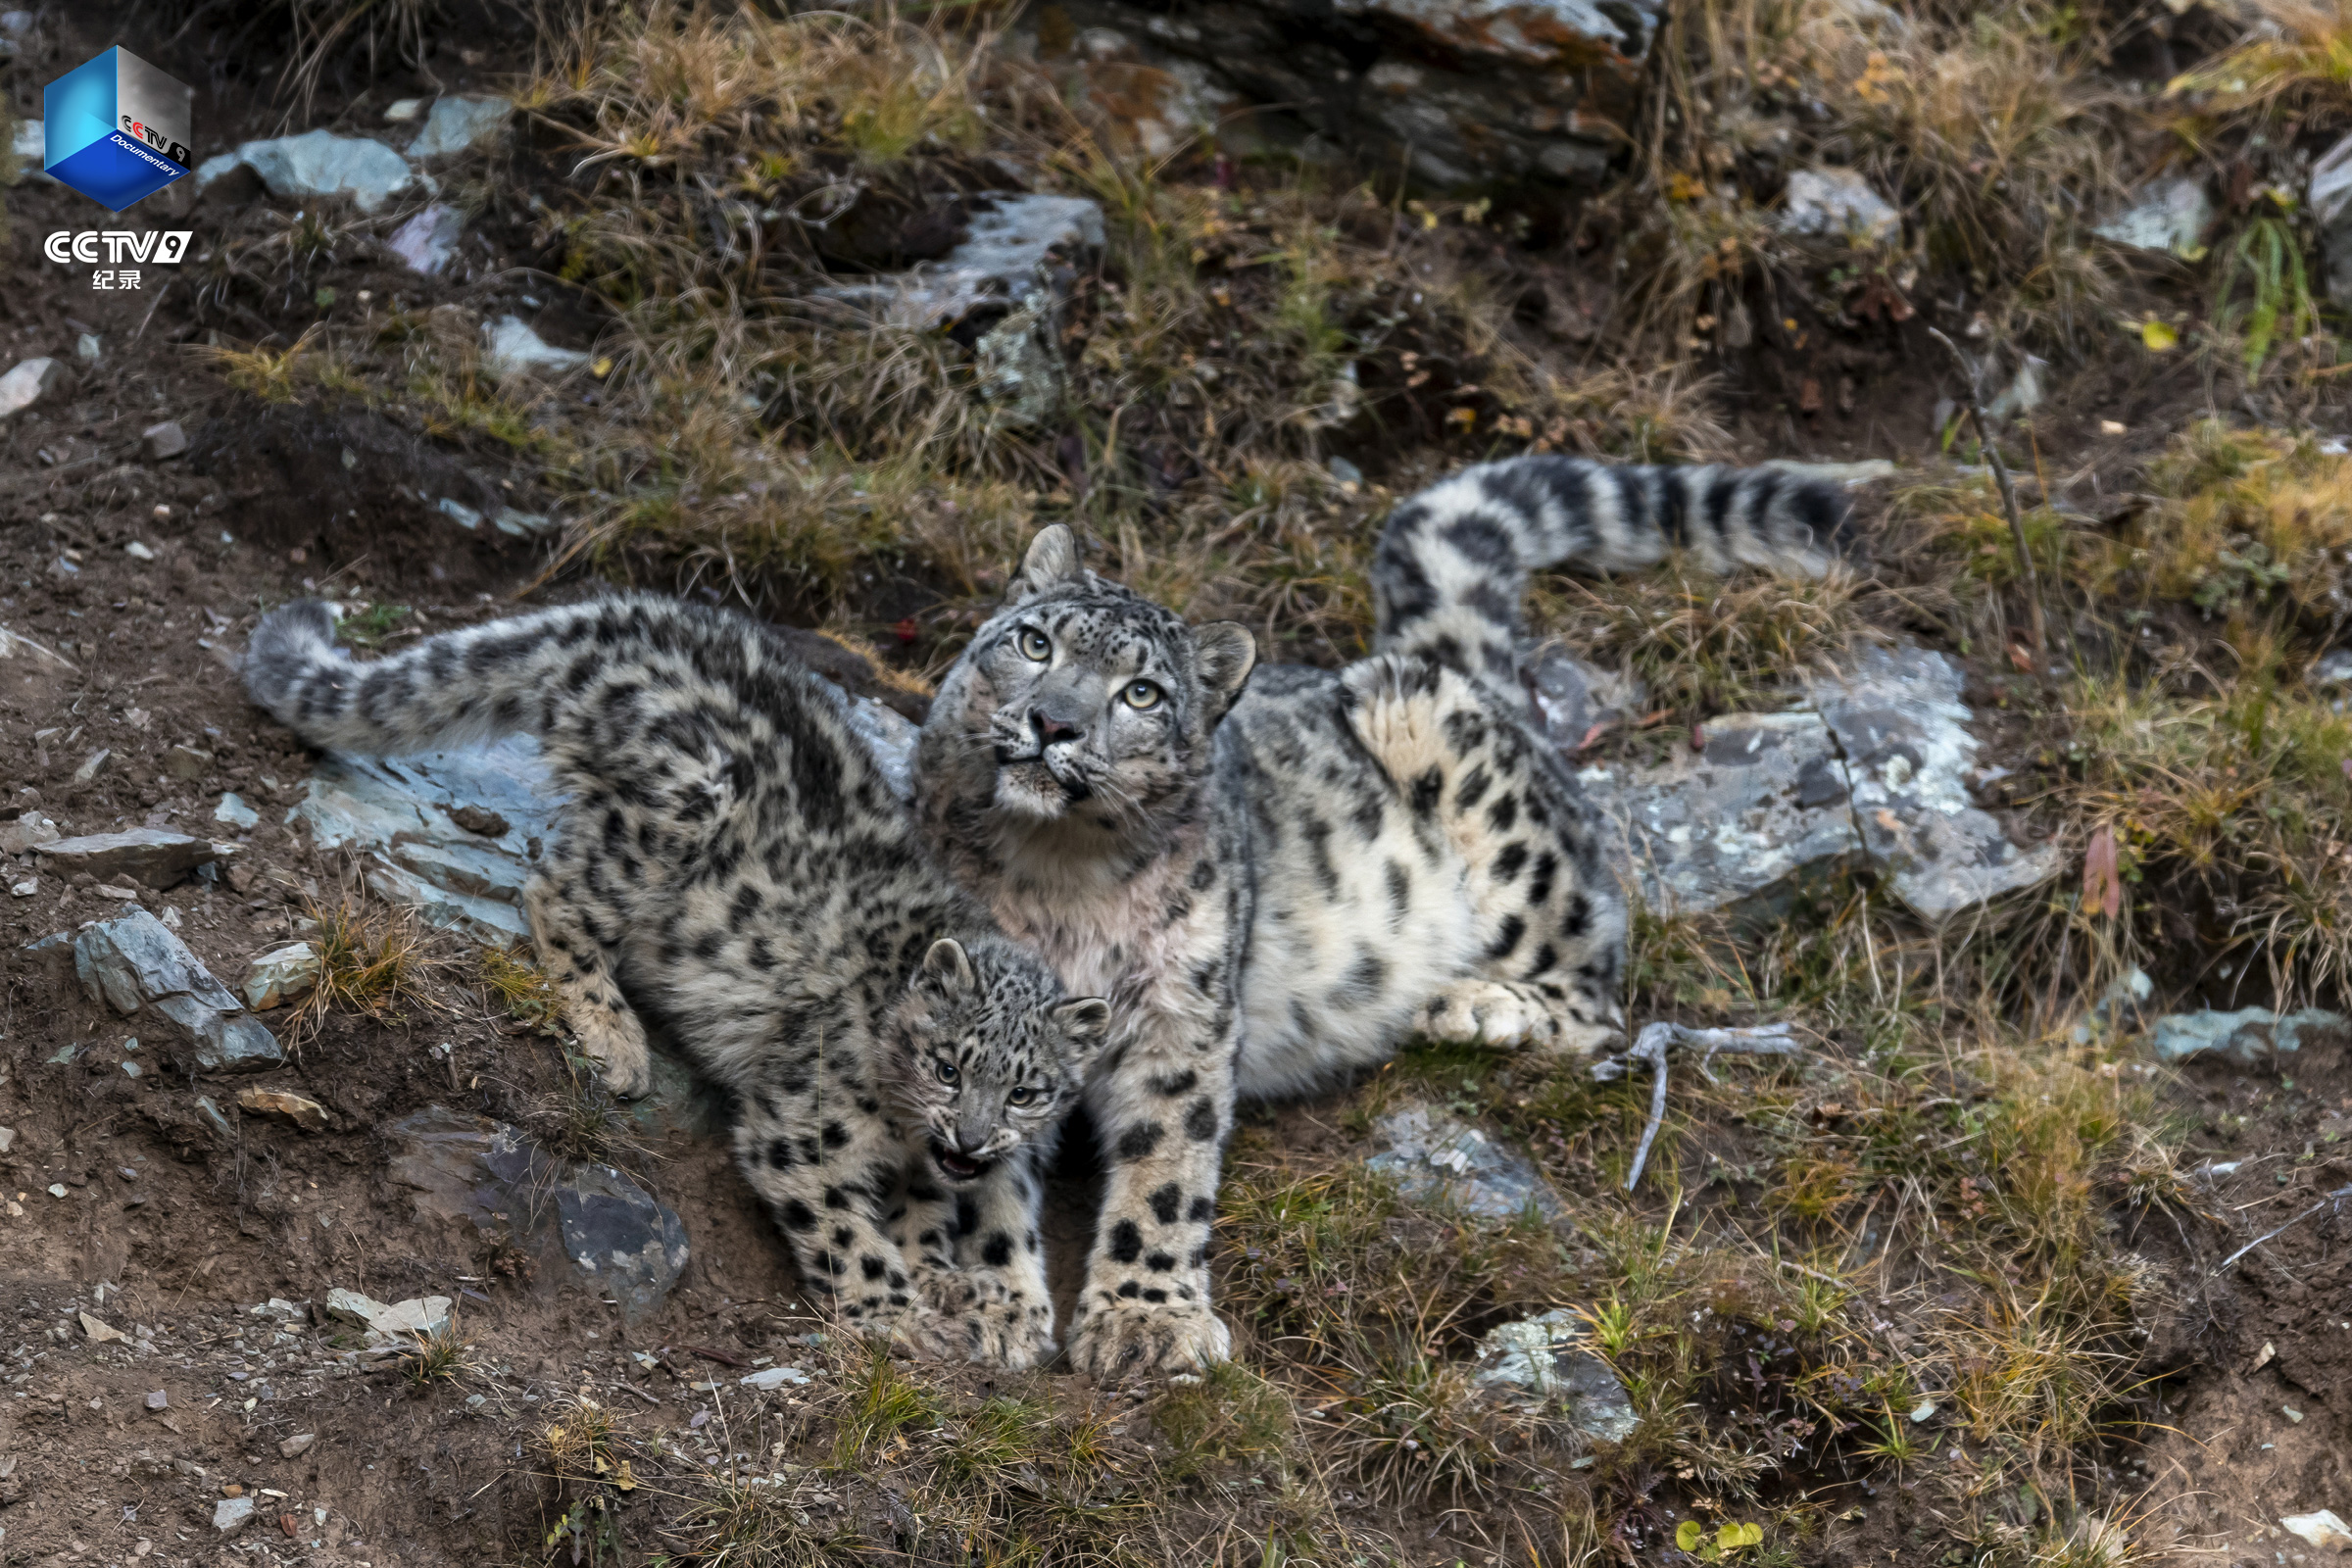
[(460, 686), (1453, 562)]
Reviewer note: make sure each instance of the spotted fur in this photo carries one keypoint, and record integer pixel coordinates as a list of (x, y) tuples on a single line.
[(731, 859), (1276, 885)]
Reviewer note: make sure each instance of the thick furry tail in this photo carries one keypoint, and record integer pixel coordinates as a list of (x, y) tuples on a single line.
[(449, 690), (1454, 560)]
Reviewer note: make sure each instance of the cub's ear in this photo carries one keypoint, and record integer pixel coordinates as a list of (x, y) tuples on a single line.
[(1085, 1024), (1053, 559), (946, 968), (1224, 653)]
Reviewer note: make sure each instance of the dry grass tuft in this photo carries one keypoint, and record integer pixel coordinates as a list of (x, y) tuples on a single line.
[(372, 960)]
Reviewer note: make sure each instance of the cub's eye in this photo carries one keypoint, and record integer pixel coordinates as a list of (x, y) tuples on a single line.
[(1140, 695), (1022, 1095), (1034, 646), (946, 1069)]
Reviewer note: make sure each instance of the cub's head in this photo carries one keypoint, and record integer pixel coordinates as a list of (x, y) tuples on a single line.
[(1083, 699), (987, 1052)]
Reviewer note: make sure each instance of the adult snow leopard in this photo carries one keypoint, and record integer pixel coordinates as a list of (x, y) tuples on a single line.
[(731, 855), (1279, 883)]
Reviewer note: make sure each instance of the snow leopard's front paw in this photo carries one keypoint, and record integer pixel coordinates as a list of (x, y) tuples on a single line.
[(611, 1035), (1130, 1339), (979, 1315), (1490, 1013)]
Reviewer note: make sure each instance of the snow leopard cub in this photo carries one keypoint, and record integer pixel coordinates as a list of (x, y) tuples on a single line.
[(731, 856)]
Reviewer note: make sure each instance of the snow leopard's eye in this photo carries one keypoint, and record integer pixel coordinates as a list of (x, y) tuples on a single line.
[(1021, 1095), (1140, 695), (1034, 646), (945, 1070)]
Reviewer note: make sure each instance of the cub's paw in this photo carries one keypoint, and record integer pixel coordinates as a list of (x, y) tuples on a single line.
[(1131, 1338), (1490, 1013), (978, 1315), (614, 1040)]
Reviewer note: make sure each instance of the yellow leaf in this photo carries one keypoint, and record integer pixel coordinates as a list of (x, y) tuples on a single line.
[(624, 1481), (2157, 336), (1687, 1534), (1465, 417), (602, 368)]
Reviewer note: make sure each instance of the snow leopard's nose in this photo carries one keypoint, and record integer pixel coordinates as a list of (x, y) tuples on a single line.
[(1051, 726), (973, 1133)]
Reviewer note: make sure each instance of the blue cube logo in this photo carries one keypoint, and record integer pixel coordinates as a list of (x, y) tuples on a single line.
[(116, 129)]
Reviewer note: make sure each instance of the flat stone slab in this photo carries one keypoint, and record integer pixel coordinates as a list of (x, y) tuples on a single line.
[(2252, 1037), (319, 163), (486, 1175), (459, 122), (155, 858), (1437, 1159), (286, 1104), (1869, 771), (134, 962)]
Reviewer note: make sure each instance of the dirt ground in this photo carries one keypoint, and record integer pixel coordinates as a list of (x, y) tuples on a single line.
[(126, 1207)]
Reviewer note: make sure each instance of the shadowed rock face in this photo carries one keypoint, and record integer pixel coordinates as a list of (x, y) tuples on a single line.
[(1468, 94)]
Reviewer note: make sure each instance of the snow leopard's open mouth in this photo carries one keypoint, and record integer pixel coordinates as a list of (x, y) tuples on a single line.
[(957, 1167)]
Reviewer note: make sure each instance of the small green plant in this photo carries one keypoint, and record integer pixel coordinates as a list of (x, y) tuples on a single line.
[(2268, 257), (1727, 1539), (372, 623), (439, 1357)]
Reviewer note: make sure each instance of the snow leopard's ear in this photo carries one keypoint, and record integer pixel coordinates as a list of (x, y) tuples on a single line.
[(1052, 561), (1224, 653), (1085, 1024), (946, 968)]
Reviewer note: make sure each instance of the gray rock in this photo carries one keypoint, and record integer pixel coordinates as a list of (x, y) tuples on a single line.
[(2170, 218), (458, 123), (407, 1320), (208, 1110), (1465, 94), (1832, 202), (1571, 696), (25, 384), (1008, 255), (524, 524), (233, 812), (315, 165), (511, 349), (160, 441), (1904, 729), (134, 962), (620, 1236), (27, 831), (428, 242), (1871, 772), (155, 858), (1437, 1159), (350, 1306), (280, 975), (8, 1139), (2253, 1037), (2329, 200), (1747, 823), (1021, 363), (232, 1514), (1547, 1361), (396, 811), (2331, 669), (484, 1176), (295, 1447)]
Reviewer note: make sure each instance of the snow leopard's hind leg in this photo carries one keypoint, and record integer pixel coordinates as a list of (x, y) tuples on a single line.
[(577, 931), (1547, 916)]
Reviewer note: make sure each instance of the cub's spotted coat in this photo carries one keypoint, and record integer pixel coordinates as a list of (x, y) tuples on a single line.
[(732, 859), (1278, 884)]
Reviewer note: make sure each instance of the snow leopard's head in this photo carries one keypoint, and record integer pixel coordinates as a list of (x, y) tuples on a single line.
[(986, 1051), (1081, 699)]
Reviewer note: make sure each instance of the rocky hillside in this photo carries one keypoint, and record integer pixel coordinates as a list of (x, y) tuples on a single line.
[(2011, 1230)]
